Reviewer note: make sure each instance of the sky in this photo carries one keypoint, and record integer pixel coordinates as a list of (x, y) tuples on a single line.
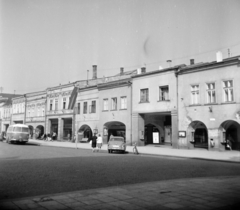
[(44, 43)]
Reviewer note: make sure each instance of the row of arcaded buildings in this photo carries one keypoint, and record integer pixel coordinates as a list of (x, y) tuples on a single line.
[(184, 106)]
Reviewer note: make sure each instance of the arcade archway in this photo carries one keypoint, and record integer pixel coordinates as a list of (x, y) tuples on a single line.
[(152, 134), (84, 133), (31, 129), (39, 131), (198, 134), (114, 128), (230, 130)]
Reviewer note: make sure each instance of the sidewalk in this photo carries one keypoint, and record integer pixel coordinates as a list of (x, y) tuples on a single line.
[(185, 194), (231, 156)]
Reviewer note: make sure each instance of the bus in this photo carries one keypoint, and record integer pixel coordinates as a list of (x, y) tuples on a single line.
[(17, 133)]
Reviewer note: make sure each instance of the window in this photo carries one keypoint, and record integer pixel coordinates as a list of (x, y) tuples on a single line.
[(163, 93), (64, 103), (211, 96), (51, 105), (93, 107), (56, 104), (195, 94), (228, 90), (144, 95), (124, 102), (78, 108), (105, 104), (114, 104), (85, 108)]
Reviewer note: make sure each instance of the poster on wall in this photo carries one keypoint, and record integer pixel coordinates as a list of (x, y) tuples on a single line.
[(155, 137)]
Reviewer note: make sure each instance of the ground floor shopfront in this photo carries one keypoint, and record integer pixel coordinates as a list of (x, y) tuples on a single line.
[(201, 134), (61, 125), (157, 128)]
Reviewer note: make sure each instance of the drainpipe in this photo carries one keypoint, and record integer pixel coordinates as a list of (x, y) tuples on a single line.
[(25, 109), (130, 83)]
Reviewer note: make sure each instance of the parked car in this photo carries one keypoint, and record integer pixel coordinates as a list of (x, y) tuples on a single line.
[(116, 143), (17, 133)]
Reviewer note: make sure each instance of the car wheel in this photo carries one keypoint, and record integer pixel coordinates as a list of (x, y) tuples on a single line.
[(109, 151)]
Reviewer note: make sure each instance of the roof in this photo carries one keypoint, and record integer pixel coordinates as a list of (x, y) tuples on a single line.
[(7, 98), (132, 72), (209, 65)]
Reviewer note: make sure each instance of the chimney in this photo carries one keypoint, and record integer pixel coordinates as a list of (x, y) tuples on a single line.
[(191, 61), (219, 56), (169, 63), (143, 69), (94, 71), (121, 71)]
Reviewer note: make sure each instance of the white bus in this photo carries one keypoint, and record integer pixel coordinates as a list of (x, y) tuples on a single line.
[(17, 133)]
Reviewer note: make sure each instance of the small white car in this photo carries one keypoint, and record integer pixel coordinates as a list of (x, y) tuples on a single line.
[(116, 143)]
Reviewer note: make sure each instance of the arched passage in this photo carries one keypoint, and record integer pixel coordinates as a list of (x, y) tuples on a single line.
[(198, 134), (84, 133), (31, 131), (230, 130), (153, 134), (114, 128), (39, 131)]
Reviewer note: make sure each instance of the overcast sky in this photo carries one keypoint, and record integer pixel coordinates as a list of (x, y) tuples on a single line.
[(47, 42)]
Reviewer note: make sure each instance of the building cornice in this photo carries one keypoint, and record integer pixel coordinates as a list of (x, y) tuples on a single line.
[(208, 66)]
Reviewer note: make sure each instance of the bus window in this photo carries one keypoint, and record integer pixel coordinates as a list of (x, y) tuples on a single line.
[(17, 129), (25, 130), (10, 129)]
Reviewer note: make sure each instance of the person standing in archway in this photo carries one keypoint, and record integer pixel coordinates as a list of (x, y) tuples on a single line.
[(99, 142), (94, 142)]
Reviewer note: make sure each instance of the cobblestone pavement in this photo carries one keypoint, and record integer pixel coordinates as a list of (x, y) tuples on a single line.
[(198, 193)]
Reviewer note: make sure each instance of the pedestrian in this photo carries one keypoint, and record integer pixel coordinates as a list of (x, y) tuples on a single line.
[(49, 138), (99, 142), (212, 143), (135, 150), (94, 142), (69, 137), (54, 136), (229, 142)]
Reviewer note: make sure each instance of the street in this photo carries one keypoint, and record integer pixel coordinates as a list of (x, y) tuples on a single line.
[(30, 170)]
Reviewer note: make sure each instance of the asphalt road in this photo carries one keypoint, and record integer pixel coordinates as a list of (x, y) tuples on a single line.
[(30, 170)]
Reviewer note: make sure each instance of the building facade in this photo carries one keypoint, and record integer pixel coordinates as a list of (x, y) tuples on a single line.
[(154, 107), (59, 110), (209, 105), (35, 113), (18, 110)]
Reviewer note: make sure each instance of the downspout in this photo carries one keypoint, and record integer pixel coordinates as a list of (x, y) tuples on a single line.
[(131, 112), (25, 109), (176, 74)]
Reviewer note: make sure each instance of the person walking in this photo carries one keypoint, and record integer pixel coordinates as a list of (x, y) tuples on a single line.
[(99, 142), (94, 142)]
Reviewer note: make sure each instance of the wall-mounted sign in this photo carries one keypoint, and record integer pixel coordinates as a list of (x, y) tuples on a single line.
[(155, 137), (182, 134)]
